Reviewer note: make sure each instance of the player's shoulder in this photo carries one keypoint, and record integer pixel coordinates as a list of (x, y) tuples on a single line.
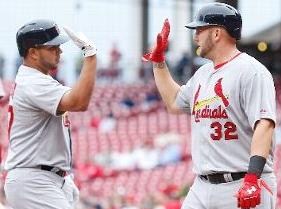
[(30, 77), (250, 66), (30, 81), (203, 69)]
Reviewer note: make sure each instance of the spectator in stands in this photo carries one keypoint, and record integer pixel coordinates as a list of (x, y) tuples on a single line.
[(111, 72), (152, 96), (127, 102), (122, 161), (183, 68), (145, 73), (88, 170), (166, 138), (129, 202), (89, 199), (115, 58), (104, 158), (146, 156), (107, 123), (148, 201), (170, 153), (170, 147), (95, 121)]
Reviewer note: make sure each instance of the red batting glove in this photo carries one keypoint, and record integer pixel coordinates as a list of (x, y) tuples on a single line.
[(249, 195), (158, 51)]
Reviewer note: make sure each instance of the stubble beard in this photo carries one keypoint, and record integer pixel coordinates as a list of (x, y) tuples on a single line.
[(48, 64), (207, 47)]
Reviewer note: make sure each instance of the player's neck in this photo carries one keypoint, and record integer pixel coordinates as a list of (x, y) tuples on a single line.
[(224, 53), (34, 65)]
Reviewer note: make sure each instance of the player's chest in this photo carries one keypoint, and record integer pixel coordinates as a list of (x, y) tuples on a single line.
[(213, 94)]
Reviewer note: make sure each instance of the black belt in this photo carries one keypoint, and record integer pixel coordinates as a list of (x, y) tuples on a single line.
[(218, 178), (55, 170)]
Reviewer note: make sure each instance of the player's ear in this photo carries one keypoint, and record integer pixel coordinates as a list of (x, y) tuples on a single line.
[(217, 33), (32, 53)]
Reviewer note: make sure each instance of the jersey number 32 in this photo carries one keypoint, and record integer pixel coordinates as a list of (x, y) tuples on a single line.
[(228, 131)]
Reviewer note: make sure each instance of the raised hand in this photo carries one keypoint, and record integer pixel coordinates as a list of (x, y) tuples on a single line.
[(157, 54), (80, 40)]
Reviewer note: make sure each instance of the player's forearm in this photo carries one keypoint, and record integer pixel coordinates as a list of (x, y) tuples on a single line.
[(167, 87), (262, 138), (82, 90)]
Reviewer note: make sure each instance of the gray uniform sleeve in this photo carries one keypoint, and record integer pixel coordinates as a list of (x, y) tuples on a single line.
[(46, 94), (184, 96), (258, 98)]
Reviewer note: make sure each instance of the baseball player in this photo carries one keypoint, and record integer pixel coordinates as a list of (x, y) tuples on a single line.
[(232, 105), (40, 155)]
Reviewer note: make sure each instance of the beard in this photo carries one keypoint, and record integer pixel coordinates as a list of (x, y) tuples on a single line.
[(49, 64), (206, 47)]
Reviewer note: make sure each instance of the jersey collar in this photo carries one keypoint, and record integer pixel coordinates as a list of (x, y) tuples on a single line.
[(218, 66)]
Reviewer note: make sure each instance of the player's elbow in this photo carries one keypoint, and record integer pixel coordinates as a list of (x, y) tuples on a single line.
[(84, 108), (78, 108), (79, 102), (173, 109), (81, 106), (73, 106)]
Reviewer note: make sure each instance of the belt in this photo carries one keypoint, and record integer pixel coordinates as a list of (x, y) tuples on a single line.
[(218, 178), (55, 170)]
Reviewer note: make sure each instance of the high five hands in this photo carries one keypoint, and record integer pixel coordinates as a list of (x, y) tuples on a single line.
[(157, 54)]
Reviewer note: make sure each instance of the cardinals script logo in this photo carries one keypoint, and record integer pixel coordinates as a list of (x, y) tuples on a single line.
[(204, 108)]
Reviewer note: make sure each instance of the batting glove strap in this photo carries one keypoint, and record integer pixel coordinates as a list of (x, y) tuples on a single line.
[(154, 57), (89, 50), (251, 178)]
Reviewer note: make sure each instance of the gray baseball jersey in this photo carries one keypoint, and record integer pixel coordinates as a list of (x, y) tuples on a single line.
[(225, 104), (38, 136)]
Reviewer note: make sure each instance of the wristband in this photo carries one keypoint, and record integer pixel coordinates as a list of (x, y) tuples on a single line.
[(256, 165)]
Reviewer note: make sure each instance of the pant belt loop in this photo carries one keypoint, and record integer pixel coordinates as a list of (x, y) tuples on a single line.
[(227, 177)]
